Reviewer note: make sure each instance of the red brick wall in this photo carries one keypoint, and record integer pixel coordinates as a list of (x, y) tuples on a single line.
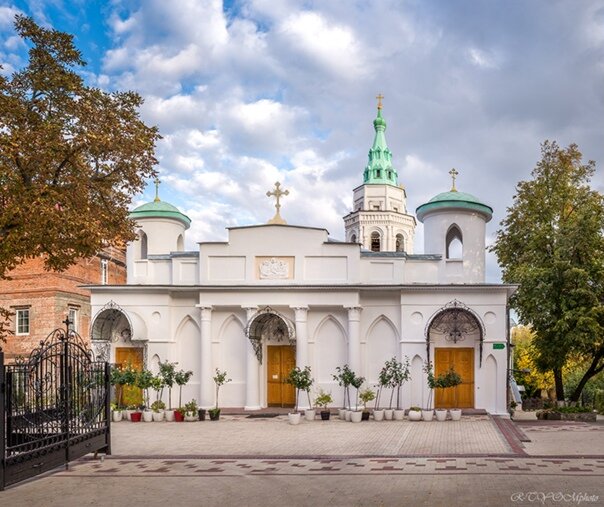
[(49, 295)]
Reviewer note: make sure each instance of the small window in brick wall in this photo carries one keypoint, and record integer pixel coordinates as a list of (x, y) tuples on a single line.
[(22, 321), (74, 315), (104, 271)]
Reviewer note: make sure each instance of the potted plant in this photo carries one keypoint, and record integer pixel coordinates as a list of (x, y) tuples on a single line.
[(344, 376), (181, 378), (158, 408), (116, 413), (219, 379), (450, 380), (167, 371), (117, 380), (191, 411), (415, 414), (428, 413), (129, 380), (144, 380), (302, 381), (322, 400), (179, 414), (383, 382), (357, 415), (400, 375), (366, 395)]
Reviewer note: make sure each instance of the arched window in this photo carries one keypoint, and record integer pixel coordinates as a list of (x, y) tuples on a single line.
[(454, 242), (143, 240), (375, 242), (353, 238), (180, 244), (400, 243)]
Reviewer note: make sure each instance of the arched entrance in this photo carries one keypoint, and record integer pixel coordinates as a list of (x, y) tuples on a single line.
[(112, 340), (455, 333), (268, 328)]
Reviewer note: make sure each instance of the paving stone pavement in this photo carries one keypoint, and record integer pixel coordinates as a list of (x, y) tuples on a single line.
[(479, 461)]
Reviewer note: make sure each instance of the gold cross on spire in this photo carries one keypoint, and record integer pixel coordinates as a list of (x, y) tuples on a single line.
[(453, 174), (157, 182), (379, 97), (277, 193)]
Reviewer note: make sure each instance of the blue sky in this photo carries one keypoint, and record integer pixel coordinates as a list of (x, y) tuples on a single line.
[(253, 91)]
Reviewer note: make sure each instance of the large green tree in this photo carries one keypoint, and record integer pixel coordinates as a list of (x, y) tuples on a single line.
[(71, 157), (552, 244)]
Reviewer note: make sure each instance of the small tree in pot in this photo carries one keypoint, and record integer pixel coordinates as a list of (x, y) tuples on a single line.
[(302, 380), (167, 371), (344, 377), (144, 380), (182, 378), (356, 382), (118, 381), (399, 374), (158, 406), (449, 380), (428, 412), (366, 395), (219, 380), (383, 382), (322, 400)]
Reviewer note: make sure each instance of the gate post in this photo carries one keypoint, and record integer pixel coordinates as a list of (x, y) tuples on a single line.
[(108, 407), (2, 418)]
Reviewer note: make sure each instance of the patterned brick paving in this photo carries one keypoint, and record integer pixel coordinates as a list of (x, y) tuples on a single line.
[(150, 467)]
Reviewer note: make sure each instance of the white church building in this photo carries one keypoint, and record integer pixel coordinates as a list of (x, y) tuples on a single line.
[(276, 295)]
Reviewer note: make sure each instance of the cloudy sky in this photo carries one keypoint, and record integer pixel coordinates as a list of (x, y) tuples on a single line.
[(248, 92)]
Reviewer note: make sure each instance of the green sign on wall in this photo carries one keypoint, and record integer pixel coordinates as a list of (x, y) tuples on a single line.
[(498, 346)]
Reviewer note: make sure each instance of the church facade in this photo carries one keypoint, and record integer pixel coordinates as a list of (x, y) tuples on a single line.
[(275, 295)]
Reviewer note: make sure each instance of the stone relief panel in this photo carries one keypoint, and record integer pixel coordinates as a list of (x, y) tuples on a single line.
[(274, 268)]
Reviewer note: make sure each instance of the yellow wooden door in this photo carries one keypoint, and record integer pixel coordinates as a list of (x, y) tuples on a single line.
[(281, 359), (462, 359), (133, 356)]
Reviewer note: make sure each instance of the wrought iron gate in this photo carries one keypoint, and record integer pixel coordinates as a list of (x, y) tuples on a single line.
[(54, 407)]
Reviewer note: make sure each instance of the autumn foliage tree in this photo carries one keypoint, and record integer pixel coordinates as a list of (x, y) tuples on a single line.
[(552, 244), (71, 157)]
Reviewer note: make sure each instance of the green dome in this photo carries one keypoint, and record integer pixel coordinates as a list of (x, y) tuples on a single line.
[(160, 209), (454, 200)]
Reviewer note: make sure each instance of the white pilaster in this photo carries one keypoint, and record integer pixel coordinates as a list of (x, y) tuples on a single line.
[(206, 384), (354, 339), (301, 317), (252, 377)]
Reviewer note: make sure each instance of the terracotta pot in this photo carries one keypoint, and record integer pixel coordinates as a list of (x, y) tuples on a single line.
[(136, 416)]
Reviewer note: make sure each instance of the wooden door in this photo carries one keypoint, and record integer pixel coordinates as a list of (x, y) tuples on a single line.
[(133, 356), (281, 359), (462, 359)]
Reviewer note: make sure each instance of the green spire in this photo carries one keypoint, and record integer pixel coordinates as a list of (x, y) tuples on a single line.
[(379, 168)]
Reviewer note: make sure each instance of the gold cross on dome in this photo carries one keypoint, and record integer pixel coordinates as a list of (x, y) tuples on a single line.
[(157, 182), (453, 174), (379, 98), (277, 193)]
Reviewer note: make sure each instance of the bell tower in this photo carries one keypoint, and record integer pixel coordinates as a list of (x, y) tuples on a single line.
[(379, 219)]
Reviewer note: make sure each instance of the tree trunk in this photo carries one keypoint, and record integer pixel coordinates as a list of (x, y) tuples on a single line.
[(593, 370), (559, 384)]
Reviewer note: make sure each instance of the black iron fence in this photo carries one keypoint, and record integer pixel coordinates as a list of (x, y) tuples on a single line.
[(54, 407)]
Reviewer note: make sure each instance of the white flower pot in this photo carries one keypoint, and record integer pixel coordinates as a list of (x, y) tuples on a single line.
[(309, 414), (356, 416), (117, 415), (348, 415), (388, 414), (190, 416), (342, 413), (455, 414), (441, 414), (158, 416), (427, 415), (294, 418), (126, 414), (415, 415), (399, 415), (378, 415), (148, 416), (169, 415)]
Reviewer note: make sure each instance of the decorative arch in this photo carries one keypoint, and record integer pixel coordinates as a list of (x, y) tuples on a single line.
[(183, 322), (324, 321), (107, 321), (400, 242), (454, 242), (456, 320), (180, 243), (375, 242), (143, 245), (377, 320), (232, 317), (269, 322)]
